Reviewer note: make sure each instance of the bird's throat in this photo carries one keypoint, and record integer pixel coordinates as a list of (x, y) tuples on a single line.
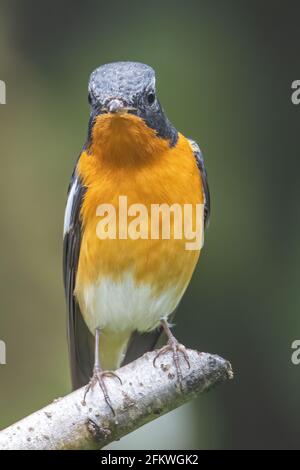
[(125, 139)]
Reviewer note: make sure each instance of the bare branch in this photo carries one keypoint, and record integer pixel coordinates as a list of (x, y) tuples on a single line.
[(147, 393)]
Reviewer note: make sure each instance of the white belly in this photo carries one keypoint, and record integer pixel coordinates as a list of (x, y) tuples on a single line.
[(126, 305)]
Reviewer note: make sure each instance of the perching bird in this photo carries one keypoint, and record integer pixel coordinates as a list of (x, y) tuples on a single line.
[(120, 292)]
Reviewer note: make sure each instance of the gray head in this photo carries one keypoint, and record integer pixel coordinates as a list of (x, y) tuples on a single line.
[(128, 87), (128, 82)]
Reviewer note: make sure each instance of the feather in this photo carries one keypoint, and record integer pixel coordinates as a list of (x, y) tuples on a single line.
[(80, 340)]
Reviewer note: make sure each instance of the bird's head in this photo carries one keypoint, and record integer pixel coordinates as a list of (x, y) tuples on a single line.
[(124, 103)]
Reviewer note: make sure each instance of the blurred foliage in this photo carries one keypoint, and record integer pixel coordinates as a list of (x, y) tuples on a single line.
[(224, 73)]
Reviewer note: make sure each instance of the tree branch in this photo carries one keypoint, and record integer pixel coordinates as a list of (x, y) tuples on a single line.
[(147, 393)]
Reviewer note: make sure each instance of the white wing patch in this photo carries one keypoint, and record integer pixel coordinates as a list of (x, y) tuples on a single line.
[(69, 206)]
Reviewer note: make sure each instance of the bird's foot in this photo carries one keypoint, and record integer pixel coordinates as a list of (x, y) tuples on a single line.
[(176, 348), (98, 377)]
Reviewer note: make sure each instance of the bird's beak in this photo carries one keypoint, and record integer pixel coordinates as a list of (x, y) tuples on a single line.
[(115, 105)]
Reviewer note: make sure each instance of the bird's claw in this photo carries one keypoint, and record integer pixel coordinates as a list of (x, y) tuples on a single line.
[(98, 377), (174, 346)]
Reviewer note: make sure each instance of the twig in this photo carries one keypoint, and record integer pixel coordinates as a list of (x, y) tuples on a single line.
[(147, 393)]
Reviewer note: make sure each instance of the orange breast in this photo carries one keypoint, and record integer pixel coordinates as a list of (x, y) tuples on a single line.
[(128, 159)]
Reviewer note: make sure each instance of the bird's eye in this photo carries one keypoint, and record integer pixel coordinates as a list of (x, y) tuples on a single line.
[(151, 98), (90, 98)]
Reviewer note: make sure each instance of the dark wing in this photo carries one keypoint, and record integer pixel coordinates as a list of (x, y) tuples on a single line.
[(80, 339), (200, 165), (141, 343)]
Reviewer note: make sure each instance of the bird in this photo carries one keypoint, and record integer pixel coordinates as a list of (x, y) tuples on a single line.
[(122, 293)]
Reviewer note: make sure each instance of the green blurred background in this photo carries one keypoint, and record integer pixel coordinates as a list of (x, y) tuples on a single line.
[(224, 77)]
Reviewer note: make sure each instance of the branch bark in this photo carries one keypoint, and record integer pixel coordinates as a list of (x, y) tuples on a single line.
[(147, 393)]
